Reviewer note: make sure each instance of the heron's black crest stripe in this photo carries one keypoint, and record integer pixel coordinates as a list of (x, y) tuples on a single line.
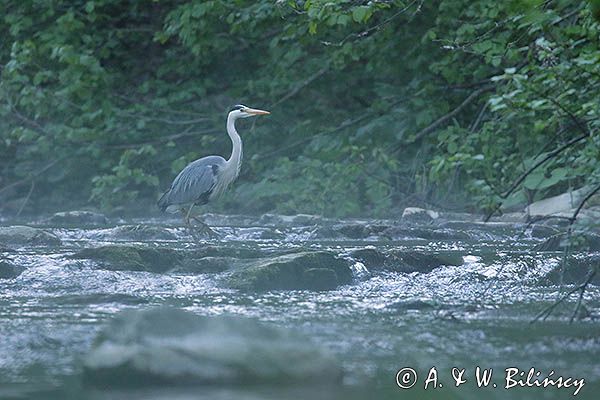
[(236, 107)]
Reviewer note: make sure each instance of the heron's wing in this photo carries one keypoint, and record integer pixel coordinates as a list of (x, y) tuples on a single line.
[(194, 183)]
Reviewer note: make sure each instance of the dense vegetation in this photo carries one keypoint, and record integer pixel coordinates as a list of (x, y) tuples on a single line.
[(375, 104)]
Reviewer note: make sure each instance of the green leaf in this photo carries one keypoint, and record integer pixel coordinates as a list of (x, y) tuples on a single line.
[(361, 14)]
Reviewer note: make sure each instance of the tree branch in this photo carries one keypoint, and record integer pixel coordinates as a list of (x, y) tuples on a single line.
[(440, 121), (533, 168), (302, 85)]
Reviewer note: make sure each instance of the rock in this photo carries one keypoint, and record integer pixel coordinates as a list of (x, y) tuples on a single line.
[(77, 218), (325, 232), (576, 271), (143, 233), (271, 234), (289, 220), (579, 242), (403, 261), (296, 271), (205, 265), (419, 215), (352, 231), (320, 279), (235, 251), (130, 258), (543, 231), (26, 235), (8, 270), (173, 347), (370, 257), (227, 220), (514, 217), (412, 305), (430, 233), (557, 204), (483, 230)]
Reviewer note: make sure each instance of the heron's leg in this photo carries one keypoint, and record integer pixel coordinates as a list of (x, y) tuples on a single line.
[(186, 216), (205, 228)]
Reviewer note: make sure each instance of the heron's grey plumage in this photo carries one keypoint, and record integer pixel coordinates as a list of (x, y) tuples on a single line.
[(207, 178), (194, 184)]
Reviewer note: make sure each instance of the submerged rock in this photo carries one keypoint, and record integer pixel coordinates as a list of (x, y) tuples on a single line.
[(169, 346), (297, 271), (25, 235), (8, 270), (77, 218), (130, 258)]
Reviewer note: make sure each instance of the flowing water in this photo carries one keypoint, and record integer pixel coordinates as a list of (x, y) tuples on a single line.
[(476, 314)]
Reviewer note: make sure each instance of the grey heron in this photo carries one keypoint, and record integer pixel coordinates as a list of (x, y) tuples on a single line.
[(206, 179)]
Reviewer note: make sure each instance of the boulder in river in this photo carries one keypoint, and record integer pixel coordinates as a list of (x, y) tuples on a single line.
[(578, 242), (9, 270), (131, 258), (319, 270), (556, 204), (25, 235), (575, 271), (369, 256), (169, 346), (206, 265), (77, 218), (352, 230), (142, 233), (419, 215)]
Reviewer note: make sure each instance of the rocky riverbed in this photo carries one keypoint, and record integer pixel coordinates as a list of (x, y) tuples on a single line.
[(290, 306)]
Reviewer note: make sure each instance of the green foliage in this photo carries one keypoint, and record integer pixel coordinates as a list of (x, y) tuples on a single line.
[(104, 101)]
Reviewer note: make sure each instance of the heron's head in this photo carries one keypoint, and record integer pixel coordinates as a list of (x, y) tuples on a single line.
[(241, 111)]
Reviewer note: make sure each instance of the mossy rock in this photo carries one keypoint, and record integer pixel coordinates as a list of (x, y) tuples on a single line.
[(143, 233), (404, 261), (25, 235), (226, 251), (205, 265), (369, 257), (130, 258), (298, 271)]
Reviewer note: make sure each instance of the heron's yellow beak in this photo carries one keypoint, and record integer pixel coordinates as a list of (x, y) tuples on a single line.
[(255, 111)]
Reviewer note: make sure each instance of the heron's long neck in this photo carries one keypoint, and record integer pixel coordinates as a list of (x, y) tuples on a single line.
[(235, 161)]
